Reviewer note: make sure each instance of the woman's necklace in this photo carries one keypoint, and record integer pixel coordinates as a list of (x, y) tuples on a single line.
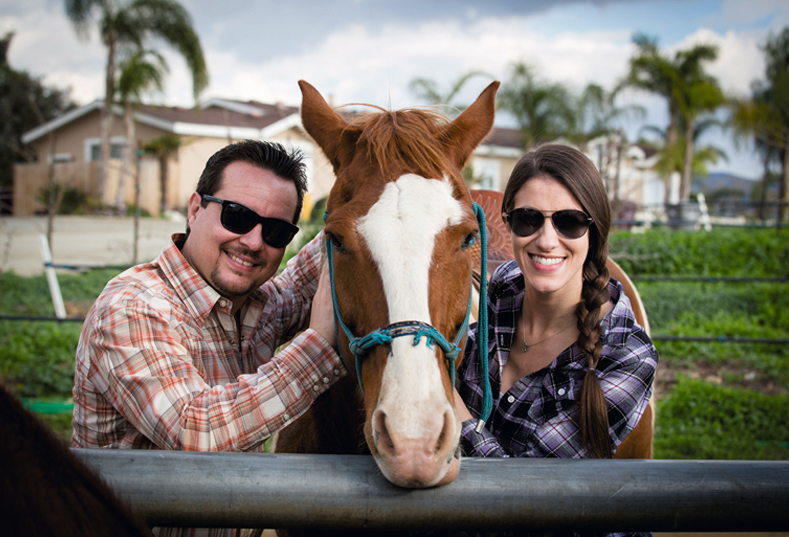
[(525, 346)]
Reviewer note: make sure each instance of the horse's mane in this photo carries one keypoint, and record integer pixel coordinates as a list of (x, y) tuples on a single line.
[(411, 136)]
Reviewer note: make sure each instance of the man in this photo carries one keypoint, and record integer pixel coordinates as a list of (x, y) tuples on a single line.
[(179, 353)]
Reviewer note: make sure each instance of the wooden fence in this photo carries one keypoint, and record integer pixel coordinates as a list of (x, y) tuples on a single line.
[(30, 180)]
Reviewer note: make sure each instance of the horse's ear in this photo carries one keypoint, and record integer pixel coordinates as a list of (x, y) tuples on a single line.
[(464, 134), (325, 126)]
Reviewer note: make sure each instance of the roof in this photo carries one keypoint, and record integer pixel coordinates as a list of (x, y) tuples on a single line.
[(216, 118), (227, 118)]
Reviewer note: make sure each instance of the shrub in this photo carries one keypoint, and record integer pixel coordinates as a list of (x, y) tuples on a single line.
[(745, 252), (37, 359)]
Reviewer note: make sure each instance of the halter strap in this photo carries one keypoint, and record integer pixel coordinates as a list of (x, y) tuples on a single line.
[(384, 336)]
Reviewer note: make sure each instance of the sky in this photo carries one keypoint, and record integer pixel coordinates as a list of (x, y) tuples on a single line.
[(368, 51)]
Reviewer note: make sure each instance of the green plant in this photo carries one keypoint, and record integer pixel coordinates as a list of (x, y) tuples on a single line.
[(37, 359), (69, 199), (701, 420), (758, 252)]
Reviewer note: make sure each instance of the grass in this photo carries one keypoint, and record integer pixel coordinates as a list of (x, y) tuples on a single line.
[(697, 419), (701, 420)]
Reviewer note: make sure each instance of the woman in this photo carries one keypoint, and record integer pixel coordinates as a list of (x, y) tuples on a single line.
[(571, 371)]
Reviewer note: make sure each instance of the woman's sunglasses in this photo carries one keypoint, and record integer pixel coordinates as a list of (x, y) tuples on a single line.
[(569, 223), (240, 219)]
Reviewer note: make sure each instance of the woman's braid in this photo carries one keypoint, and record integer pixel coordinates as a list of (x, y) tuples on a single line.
[(593, 418)]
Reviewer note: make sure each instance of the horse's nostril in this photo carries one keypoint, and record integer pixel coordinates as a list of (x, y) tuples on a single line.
[(383, 439), (446, 432)]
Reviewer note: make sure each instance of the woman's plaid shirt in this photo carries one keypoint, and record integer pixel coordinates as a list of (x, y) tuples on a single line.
[(161, 363), (535, 418)]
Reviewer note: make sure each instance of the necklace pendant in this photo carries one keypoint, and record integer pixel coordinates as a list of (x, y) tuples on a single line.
[(525, 347)]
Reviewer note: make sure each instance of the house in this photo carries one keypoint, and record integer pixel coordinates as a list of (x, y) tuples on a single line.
[(75, 137), (71, 142)]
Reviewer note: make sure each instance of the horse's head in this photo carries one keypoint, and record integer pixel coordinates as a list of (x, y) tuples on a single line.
[(400, 222)]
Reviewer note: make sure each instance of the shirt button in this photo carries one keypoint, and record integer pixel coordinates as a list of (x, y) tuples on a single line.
[(286, 416), (222, 302), (561, 391), (316, 388), (511, 399), (326, 380), (336, 372)]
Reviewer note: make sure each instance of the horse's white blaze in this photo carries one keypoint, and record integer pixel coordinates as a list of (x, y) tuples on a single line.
[(400, 231)]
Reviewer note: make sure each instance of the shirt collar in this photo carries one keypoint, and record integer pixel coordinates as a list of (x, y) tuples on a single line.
[(199, 297), (507, 292)]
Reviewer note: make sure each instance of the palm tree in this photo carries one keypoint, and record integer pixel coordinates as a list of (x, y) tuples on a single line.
[(753, 120), (682, 82), (597, 116), (138, 75), (427, 90), (163, 147), (696, 94), (776, 94), (543, 110), (130, 23), (672, 159)]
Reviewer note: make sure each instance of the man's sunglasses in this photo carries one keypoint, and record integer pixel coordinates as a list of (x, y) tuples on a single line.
[(569, 223), (240, 219)]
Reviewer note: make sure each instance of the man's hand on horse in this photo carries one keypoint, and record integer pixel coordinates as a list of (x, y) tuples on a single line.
[(322, 314)]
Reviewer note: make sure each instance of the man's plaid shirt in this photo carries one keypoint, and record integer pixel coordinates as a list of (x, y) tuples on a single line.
[(161, 363)]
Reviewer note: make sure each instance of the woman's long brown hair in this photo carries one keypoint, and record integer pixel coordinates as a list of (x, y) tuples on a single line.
[(576, 172)]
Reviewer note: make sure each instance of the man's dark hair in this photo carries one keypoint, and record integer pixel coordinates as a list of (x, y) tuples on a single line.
[(271, 156)]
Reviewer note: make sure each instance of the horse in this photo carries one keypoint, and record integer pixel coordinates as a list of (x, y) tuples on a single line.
[(638, 444), (399, 228), (47, 490)]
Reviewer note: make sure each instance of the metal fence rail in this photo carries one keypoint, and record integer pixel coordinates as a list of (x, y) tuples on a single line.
[(348, 493)]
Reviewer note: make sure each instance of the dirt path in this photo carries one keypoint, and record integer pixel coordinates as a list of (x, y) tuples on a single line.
[(81, 240)]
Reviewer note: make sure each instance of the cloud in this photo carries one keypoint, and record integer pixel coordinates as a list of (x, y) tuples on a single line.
[(46, 45), (369, 51), (747, 12), (739, 62), (356, 64)]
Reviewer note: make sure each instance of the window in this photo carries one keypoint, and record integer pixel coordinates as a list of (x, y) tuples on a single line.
[(93, 148), (488, 172)]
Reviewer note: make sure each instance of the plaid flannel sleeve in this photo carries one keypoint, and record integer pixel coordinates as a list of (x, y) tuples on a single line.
[(142, 364), (627, 387)]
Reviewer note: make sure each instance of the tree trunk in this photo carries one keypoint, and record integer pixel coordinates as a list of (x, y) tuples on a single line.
[(54, 193), (783, 196), (618, 172), (106, 121), (762, 212), (136, 249), (163, 206), (128, 155), (687, 168)]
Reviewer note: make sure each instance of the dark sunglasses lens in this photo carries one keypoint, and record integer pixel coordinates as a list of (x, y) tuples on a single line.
[(278, 233), (572, 224), (238, 218), (525, 222)]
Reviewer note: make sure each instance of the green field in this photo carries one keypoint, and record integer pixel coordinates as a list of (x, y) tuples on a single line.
[(715, 400)]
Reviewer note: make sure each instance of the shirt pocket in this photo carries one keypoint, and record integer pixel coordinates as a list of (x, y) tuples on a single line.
[(558, 395)]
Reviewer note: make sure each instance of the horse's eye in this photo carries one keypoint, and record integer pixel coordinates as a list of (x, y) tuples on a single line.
[(337, 243), (469, 241)]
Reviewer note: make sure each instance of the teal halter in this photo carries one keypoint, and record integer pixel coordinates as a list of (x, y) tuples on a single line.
[(418, 329)]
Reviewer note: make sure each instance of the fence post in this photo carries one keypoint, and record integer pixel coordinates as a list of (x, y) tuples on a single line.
[(52, 278)]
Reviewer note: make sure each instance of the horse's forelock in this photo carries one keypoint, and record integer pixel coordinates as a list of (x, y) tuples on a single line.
[(407, 138)]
